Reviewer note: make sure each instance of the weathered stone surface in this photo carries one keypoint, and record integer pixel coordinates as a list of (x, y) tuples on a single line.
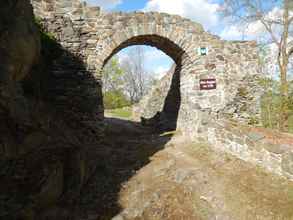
[(154, 101), (46, 134), (254, 136), (19, 51), (19, 40), (287, 162), (56, 119), (233, 64), (250, 146)]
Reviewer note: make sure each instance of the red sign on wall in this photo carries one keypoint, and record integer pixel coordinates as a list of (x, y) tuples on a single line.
[(207, 84)]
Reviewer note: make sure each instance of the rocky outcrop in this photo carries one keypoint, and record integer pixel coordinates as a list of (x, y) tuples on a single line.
[(161, 105), (19, 51), (48, 139), (153, 102)]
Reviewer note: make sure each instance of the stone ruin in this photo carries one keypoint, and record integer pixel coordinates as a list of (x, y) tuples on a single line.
[(213, 80), (52, 115), (95, 36)]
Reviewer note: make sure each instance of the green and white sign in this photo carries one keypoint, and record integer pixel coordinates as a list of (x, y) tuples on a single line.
[(203, 51)]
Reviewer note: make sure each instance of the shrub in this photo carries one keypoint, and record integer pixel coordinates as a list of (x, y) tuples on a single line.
[(115, 99)]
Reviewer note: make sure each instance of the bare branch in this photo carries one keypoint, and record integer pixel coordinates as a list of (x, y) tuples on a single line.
[(270, 31)]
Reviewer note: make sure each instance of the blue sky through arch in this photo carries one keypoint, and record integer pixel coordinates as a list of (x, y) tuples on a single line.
[(156, 62)]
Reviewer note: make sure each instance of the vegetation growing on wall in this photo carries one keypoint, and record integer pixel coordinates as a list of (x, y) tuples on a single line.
[(50, 48), (271, 104), (277, 31)]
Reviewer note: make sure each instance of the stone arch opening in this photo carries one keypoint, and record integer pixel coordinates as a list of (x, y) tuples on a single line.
[(162, 115), (161, 43)]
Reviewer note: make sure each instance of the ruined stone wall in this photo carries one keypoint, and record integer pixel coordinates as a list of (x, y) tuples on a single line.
[(19, 52), (49, 132), (243, 95), (74, 83), (270, 150), (154, 101), (95, 37)]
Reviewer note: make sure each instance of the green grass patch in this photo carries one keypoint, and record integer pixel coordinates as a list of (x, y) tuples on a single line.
[(120, 112)]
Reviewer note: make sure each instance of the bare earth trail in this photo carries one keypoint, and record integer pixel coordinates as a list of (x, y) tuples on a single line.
[(142, 175)]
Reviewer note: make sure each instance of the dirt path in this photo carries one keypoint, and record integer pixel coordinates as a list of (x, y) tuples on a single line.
[(142, 175)]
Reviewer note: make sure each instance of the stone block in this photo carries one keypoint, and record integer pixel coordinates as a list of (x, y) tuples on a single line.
[(255, 136), (287, 162), (52, 188)]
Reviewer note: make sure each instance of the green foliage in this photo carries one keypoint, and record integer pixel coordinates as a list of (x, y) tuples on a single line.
[(271, 105), (112, 76), (242, 92), (114, 69), (253, 121), (291, 123), (36, 83), (50, 49), (115, 99)]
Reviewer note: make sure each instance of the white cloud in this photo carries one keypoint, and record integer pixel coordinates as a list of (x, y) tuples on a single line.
[(153, 54), (153, 58), (105, 4), (201, 11), (254, 30), (231, 33), (161, 71), (156, 62), (122, 57)]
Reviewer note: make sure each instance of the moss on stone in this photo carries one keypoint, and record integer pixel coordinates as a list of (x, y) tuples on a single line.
[(243, 92), (50, 48)]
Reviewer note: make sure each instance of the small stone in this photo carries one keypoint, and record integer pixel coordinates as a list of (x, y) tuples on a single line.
[(181, 175), (254, 136), (220, 57), (287, 162)]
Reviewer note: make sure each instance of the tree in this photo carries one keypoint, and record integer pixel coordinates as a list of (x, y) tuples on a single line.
[(278, 28), (113, 85), (137, 80), (115, 99), (112, 76), (127, 78)]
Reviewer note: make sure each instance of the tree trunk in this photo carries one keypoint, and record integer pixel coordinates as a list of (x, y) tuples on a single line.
[(283, 65), (284, 113)]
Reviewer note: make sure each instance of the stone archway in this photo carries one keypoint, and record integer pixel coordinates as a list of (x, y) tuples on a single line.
[(95, 36), (171, 34), (164, 115), (161, 43)]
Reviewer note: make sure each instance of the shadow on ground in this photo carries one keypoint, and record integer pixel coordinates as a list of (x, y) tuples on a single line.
[(128, 146)]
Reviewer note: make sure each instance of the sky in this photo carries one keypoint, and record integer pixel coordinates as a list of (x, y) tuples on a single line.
[(205, 12)]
